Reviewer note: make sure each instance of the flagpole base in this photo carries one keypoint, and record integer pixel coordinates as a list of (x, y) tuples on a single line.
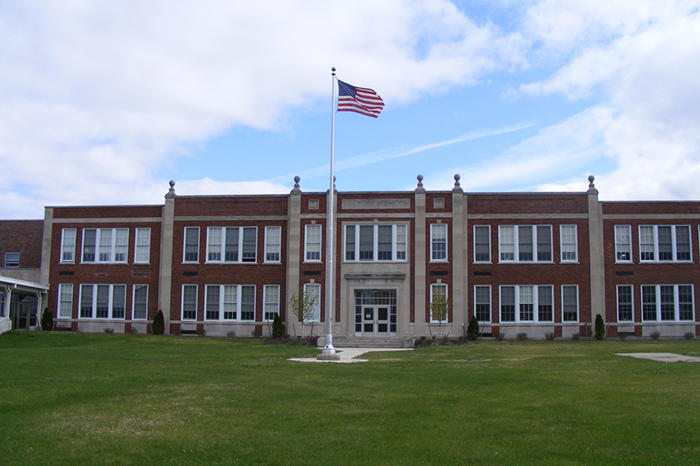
[(328, 353)]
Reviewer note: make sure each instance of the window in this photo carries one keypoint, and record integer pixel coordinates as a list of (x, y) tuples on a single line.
[(438, 242), (65, 301), (191, 244), (525, 243), (189, 302), (105, 245), (230, 302), (139, 309), (271, 302), (527, 303), (142, 249), (482, 303), (312, 244), (664, 243), (438, 294), (102, 301), (569, 243), (313, 291), (375, 243), (668, 303), (623, 243), (232, 244), (11, 259), (482, 243), (68, 245), (273, 244), (569, 303), (624, 303)]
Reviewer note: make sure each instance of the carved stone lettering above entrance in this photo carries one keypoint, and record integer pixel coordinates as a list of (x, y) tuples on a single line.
[(371, 204)]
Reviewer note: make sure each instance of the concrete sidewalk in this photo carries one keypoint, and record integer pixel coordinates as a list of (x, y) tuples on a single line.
[(348, 355), (662, 357)]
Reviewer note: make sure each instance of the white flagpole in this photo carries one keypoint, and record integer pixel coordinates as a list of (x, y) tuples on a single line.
[(328, 349)]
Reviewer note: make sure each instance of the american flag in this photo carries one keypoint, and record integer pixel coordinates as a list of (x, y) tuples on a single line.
[(359, 100)]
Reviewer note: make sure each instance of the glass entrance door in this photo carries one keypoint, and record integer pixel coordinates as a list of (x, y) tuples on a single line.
[(375, 313), (23, 311)]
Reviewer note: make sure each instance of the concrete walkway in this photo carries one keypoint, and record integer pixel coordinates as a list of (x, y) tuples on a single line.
[(662, 357), (348, 355)]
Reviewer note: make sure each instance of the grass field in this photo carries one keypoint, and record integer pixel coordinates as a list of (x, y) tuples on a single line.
[(93, 399)]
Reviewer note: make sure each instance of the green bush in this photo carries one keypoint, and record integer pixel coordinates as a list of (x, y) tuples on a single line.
[(599, 327), (47, 320), (473, 329), (158, 323), (278, 327)]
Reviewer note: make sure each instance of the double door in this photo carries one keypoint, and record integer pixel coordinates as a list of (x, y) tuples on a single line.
[(375, 313)]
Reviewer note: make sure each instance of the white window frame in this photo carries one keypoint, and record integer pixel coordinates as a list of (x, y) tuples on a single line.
[(649, 244), (114, 249), (510, 244), (315, 290), (521, 291), (271, 302), (12, 260), (433, 288), (65, 301), (438, 242), (135, 303), (184, 303), (194, 259), (142, 246), (488, 244), (225, 301), (676, 303), (567, 245), (312, 243), (273, 244), (399, 242), (213, 245), (623, 243), (111, 302), (619, 303), (68, 239), (477, 303), (564, 304)]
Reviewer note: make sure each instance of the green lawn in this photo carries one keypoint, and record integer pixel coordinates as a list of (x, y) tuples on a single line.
[(93, 399)]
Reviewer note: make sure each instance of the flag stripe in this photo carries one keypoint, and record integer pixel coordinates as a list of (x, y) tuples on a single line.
[(359, 100)]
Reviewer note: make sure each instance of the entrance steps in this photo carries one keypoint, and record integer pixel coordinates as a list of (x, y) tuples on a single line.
[(368, 342)]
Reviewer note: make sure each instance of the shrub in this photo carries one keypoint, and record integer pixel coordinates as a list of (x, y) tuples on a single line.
[(599, 327), (549, 336), (473, 329), (500, 336), (47, 320), (230, 334), (690, 336), (655, 335), (109, 330), (133, 331), (201, 332), (576, 336), (158, 323), (622, 336), (277, 327), (521, 336)]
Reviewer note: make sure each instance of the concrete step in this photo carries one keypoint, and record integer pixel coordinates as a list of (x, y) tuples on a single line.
[(368, 342)]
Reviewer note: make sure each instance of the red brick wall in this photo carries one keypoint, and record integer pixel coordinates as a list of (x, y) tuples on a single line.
[(24, 237)]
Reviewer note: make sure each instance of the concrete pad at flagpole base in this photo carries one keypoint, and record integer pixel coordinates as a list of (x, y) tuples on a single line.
[(348, 355), (662, 357)]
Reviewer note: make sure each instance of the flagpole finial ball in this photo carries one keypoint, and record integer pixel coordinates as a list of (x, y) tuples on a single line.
[(333, 69)]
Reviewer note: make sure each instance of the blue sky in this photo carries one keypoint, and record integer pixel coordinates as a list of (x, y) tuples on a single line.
[(105, 102)]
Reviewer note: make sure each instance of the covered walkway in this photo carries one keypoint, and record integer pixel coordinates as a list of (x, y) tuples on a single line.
[(21, 303)]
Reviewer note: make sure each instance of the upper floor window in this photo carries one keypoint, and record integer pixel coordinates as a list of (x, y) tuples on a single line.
[(68, 245), (482, 243), (11, 259), (569, 243), (438, 242), (142, 248), (659, 243), (312, 243), (232, 244), (525, 243), (623, 243), (273, 244), (667, 303), (375, 243), (105, 245), (191, 248), (102, 301), (527, 303)]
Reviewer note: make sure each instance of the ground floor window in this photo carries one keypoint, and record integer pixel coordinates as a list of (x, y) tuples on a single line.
[(230, 302), (569, 303), (527, 303), (482, 303), (189, 302), (624, 303), (65, 301), (102, 301), (140, 303), (271, 303), (667, 303)]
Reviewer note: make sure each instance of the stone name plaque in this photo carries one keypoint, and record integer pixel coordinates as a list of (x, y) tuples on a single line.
[(372, 204)]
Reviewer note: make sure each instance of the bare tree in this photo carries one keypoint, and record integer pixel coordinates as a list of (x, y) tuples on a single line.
[(302, 305)]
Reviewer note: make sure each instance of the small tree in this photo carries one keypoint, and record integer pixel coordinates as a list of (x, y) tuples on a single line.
[(599, 327), (473, 329), (47, 320), (158, 323), (439, 308), (302, 306), (277, 327)]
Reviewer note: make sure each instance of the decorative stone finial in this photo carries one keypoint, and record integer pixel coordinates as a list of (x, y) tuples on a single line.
[(296, 189), (171, 191), (457, 187), (591, 179), (420, 188)]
